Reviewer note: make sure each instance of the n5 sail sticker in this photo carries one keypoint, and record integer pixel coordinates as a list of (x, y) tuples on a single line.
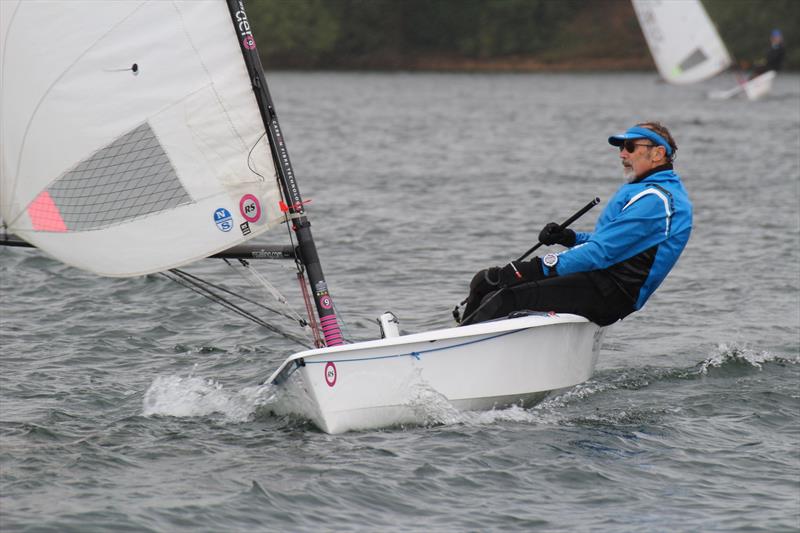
[(223, 219)]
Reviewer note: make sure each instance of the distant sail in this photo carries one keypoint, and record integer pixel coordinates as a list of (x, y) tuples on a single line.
[(683, 41), (131, 139)]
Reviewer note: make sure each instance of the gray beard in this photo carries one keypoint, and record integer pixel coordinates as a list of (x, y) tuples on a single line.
[(628, 175)]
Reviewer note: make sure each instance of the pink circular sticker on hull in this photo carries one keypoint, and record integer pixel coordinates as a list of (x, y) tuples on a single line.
[(330, 374)]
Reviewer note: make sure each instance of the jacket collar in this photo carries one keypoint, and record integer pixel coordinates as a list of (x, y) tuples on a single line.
[(652, 171)]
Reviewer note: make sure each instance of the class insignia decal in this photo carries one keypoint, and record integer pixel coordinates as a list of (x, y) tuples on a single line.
[(250, 208), (330, 374), (223, 219)]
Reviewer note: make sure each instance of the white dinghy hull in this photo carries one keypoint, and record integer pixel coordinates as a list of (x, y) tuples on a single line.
[(374, 384), (753, 89), (759, 86)]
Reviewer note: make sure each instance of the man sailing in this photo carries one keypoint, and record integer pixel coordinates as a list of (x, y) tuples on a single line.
[(607, 274), (775, 55)]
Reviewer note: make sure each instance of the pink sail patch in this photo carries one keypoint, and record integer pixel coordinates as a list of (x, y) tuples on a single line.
[(45, 215)]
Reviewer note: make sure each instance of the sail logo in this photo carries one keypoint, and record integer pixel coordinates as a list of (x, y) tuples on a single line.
[(244, 28), (223, 219), (250, 208)]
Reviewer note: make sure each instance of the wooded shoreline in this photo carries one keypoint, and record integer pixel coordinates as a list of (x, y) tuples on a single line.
[(494, 35)]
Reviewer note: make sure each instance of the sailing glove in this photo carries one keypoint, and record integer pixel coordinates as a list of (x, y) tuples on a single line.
[(517, 272), (553, 234)]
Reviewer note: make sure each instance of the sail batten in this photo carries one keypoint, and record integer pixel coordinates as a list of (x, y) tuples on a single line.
[(132, 142)]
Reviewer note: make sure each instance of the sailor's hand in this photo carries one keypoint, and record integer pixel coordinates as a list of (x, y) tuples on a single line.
[(553, 234), (517, 272)]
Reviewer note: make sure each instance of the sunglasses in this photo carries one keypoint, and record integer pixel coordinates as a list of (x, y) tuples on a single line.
[(630, 146)]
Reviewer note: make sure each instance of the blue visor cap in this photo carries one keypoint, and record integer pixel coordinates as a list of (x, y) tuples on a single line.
[(638, 132)]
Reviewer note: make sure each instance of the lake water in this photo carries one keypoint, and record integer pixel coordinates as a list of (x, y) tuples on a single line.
[(135, 405)]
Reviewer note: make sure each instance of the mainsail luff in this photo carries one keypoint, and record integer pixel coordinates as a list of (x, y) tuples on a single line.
[(307, 250)]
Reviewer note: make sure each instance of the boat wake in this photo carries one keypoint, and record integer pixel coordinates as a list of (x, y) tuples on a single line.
[(737, 356), (194, 396), (197, 397), (433, 409), (724, 359)]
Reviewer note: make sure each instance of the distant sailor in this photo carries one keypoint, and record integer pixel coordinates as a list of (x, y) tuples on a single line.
[(609, 273), (775, 54)]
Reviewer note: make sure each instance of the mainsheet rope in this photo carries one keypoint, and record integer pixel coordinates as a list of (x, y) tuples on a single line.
[(204, 288), (257, 277)]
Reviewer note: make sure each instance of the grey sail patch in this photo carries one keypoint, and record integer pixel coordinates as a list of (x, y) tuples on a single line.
[(130, 178), (692, 60)]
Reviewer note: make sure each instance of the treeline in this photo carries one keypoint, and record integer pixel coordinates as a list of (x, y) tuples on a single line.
[(491, 34)]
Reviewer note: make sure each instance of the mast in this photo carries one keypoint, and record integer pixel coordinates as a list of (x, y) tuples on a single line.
[(307, 250)]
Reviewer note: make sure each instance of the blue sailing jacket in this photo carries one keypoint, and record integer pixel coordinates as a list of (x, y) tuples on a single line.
[(638, 237)]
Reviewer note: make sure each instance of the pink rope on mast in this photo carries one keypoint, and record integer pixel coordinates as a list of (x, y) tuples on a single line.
[(330, 328)]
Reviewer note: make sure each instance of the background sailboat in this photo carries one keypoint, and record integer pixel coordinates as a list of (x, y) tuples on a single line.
[(683, 41), (687, 48)]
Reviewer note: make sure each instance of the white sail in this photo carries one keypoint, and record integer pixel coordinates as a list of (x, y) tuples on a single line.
[(682, 39), (131, 138)]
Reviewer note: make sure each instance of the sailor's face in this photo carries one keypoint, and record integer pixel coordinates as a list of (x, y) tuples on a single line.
[(637, 158)]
